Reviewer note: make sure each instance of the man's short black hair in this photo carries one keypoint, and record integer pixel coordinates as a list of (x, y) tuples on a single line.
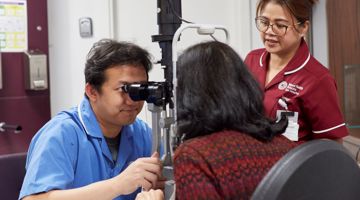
[(108, 53)]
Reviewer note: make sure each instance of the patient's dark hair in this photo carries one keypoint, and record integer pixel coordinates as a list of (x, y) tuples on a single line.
[(217, 92), (108, 53)]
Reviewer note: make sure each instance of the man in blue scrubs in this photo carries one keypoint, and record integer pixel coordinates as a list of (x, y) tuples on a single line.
[(99, 149)]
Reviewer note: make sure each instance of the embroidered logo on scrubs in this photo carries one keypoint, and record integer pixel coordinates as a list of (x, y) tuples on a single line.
[(282, 85), (290, 87)]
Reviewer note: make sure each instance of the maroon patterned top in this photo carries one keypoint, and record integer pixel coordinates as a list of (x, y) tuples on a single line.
[(225, 165)]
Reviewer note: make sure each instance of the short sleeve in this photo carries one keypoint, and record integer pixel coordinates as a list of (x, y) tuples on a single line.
[(322, 109), (51, 159)]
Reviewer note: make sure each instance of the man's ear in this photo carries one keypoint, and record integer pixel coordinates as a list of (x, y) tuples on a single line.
[(91, 92)]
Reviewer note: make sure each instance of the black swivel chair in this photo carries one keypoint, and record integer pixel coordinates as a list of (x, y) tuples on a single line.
[(12, 172), (316, 170)]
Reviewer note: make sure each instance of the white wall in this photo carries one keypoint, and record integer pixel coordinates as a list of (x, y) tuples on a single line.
[(255, 36), (134, 20), (320, 35), (67, 50)]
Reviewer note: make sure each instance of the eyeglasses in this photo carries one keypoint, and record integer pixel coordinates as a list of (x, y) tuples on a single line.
[(263, 24)]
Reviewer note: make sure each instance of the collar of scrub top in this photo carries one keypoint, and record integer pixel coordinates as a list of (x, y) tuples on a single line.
[(92, 128), (89, 122), (300, 59), (88, 119)]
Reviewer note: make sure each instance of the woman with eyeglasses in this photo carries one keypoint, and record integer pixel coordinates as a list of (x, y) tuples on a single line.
[(294, 82)]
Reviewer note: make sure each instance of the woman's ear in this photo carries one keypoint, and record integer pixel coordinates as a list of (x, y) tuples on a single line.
[(91, 92), (304, 28)]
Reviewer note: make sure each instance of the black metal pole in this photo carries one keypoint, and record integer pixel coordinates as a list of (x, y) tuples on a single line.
[(168, 19)]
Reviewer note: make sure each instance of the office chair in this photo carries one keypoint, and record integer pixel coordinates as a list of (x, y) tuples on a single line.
[(316, 170), (12, 172)]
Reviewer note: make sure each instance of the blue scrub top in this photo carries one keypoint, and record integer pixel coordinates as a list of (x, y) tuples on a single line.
[(70, 152)]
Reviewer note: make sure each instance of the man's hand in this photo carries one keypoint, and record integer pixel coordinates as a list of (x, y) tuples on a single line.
[(160, 184), (144, 172), (150, 195)]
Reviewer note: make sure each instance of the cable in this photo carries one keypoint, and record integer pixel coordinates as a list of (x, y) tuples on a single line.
[(213, 37), (177, 14), (186, 21)]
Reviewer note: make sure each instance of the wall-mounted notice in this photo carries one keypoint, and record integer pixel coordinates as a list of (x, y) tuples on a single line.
[(13, 26)]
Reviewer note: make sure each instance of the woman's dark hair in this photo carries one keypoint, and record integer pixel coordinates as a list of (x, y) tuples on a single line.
[(217, 92), (108, 53), (300, 9)]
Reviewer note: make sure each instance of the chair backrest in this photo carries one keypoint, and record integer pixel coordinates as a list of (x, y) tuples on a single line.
[(319, 169), (12, 172)]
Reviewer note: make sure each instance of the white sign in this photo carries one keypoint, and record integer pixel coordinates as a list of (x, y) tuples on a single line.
[(13, 26)]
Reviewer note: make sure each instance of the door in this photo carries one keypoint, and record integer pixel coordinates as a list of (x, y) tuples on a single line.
[(344, 57)]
